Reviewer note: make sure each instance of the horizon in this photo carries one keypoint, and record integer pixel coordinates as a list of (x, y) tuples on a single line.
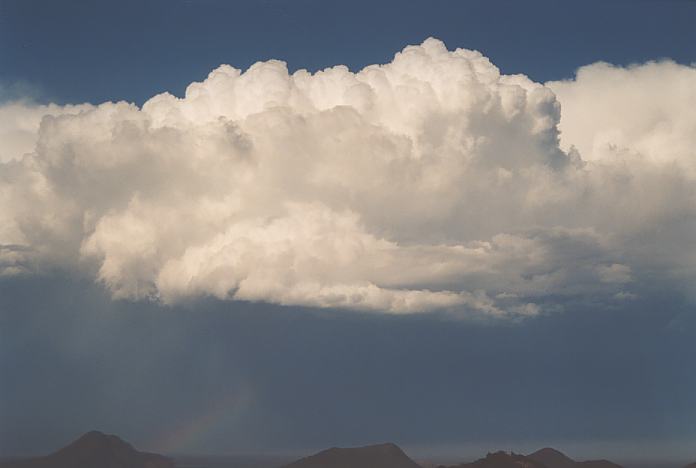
[(448, 456), (275, 226)]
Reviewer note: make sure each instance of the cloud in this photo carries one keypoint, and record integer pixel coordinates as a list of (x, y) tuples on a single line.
[(19, 125), (640, 114), (431, 182)]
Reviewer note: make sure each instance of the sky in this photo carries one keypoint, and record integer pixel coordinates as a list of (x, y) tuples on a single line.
[(283, 225)]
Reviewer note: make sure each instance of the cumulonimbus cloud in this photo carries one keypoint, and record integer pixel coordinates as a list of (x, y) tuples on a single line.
[(431, 182)]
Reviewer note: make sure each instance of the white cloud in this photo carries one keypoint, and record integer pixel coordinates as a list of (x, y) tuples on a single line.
[(431, 182), (640, 114), (19, 125)]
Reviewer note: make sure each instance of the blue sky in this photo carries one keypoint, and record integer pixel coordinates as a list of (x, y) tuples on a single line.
[(130, 50), (591, 383), (596, 361)]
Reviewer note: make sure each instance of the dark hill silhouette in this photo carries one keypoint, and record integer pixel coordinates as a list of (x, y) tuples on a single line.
[(502, 460), (95, 450), (554, 459), (692, 465), (371, 456)]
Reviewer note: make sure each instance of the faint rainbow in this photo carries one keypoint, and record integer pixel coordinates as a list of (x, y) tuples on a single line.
[(177, 440)]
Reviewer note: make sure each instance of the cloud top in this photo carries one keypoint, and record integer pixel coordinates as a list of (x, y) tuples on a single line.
[(431, 182)]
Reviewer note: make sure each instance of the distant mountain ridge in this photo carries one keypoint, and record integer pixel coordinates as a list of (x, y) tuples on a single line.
[(98, 450), (552, 458), (95, 450), (372, 456), (544, 458), (501, 460)]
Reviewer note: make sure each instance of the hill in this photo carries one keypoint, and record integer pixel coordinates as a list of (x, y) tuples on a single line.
[(552, 458), (502, 460), (371, 456), (95, 450)]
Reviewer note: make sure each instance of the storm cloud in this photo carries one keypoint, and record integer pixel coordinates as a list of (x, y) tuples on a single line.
[(432, 182)]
